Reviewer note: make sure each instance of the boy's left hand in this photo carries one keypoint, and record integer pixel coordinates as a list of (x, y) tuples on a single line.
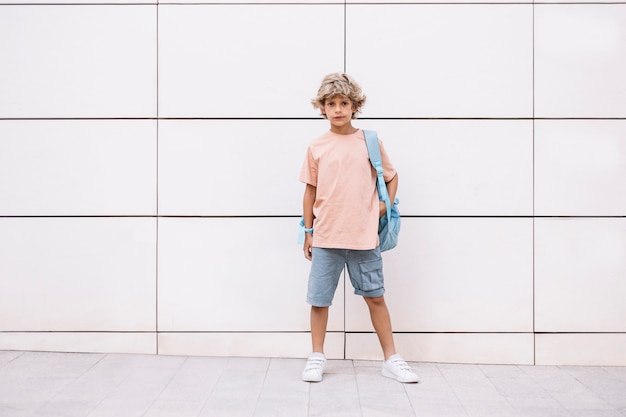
[(382, 209), (308, 246)]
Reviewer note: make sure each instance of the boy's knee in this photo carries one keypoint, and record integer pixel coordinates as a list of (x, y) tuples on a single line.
[(319, 310), (376, 301)]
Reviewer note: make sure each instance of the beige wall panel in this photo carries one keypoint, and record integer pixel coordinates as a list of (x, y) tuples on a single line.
[(78, 274), (579, 60), (386, 3), (85, 265), (456, 275), (226, 274), (228, 167), (87, 61), (78, 167), (597, 349), (252, 61), (78, 2), (252, 2), (486, 348), (87, 342), (581, 1), (460, 167), (579, 275), (580, 167), (442, 61), (282, 345)]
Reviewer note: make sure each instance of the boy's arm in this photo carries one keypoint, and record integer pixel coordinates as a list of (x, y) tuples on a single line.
[(392, 188), (307, 210)]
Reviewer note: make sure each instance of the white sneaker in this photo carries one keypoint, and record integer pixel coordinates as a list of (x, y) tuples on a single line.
[(395, 367), (314, 368)]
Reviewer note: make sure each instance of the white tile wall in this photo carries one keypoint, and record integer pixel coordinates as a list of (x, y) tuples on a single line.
[(233, 167), (580, 167), (580, 60), (252, 2), (384, 3), (456, 275), (77, 2), (78, 167), (225, 274), (442, 61), (98, 342), (487, 348), (579, 275), (77, 274), (597, 349), (83, 61), (561, 2), (283, 345), (460, 167), (427, 2), (480, 106), (266, 62)]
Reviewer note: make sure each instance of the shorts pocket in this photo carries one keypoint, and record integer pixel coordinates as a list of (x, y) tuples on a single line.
[(371, 275)]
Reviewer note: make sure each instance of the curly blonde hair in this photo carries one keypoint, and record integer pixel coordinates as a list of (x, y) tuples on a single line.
[(339, 84)]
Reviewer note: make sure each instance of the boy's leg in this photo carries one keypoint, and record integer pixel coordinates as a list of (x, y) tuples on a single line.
[(314, 369), (393, 366), (366, 274), (319, 322), (326, 268), (381, 320)]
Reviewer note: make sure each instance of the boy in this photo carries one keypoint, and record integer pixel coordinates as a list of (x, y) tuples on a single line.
[(341, 212)]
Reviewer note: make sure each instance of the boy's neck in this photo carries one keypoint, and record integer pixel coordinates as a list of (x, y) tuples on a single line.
[(343, 130)]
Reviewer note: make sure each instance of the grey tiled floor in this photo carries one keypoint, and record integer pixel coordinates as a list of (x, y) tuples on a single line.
[(98, 385)]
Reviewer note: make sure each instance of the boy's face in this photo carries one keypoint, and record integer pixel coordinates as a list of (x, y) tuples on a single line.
[(339, 111)]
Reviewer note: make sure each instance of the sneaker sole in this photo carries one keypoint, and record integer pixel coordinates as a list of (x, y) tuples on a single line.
[(389, 374), (312, 379)]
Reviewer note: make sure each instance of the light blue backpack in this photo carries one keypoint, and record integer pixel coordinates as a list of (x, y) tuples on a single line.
[(389, 224)]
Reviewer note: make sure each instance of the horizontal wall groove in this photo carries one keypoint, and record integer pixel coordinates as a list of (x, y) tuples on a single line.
[(79, 331), (442, 332), (311, 4), (79, 4), (86, 3), (242, 331), (296, 216), (297, 118), (579, 332), (78, 216), (269, 331)]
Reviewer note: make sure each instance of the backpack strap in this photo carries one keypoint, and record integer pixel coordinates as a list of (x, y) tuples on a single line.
[(373, 150)]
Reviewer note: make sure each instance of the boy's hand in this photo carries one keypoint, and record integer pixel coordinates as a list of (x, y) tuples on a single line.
[(308, 246), (382, 209)]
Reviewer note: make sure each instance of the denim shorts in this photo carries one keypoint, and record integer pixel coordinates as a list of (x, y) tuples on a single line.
[(365, 268)]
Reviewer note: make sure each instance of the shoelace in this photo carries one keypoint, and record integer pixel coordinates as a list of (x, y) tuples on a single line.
[(314, 363), (401, 365)]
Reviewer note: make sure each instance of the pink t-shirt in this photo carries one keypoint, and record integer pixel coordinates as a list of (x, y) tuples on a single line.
[(346, 205)]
